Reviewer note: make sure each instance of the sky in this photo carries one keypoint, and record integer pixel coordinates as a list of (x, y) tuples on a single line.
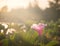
[(15, 4)]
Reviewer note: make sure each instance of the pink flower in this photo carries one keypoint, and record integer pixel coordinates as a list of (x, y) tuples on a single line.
[(39, 27)]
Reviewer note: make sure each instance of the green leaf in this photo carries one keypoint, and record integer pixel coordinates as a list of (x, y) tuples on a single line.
[(5, 42), (52, 43)]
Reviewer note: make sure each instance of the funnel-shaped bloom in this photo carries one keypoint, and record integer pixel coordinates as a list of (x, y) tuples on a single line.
[(38, 27)]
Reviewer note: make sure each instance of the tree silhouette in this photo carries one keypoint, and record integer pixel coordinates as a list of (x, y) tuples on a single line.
[(52, 13)]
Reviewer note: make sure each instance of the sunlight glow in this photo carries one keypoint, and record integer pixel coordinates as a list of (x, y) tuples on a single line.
[(33, 3), (15, 4), (43, 4), (2, 3)]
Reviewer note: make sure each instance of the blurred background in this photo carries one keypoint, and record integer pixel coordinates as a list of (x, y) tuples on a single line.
[(17, 16)]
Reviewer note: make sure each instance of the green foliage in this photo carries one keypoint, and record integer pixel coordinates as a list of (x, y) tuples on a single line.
[(5, 42), (50, 36), (52, 43)]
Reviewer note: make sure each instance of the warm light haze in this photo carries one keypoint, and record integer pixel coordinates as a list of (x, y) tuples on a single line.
[(14, 4)]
